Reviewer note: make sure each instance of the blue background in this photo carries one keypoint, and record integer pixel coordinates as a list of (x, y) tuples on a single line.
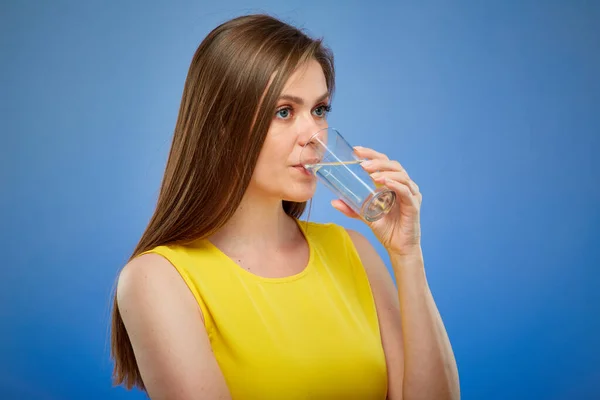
[(493, 108)]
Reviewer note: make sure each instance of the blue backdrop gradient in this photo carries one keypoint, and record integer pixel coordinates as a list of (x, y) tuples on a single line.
[(492, 107)]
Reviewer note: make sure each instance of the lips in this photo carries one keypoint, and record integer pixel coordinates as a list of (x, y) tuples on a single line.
[(302, 169)]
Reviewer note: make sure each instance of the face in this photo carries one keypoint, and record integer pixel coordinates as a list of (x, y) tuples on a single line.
[(301, 111)]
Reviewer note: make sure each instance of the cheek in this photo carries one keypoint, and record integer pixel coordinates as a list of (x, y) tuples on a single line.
[(276, 150), (270, 166)]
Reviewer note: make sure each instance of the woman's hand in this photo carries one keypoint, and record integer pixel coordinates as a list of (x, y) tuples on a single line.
[(400, 230)]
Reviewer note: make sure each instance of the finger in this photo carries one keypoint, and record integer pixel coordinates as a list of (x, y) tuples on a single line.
[(401, 177), (382, 165), (402, 190), (344, 209), (369, 153)]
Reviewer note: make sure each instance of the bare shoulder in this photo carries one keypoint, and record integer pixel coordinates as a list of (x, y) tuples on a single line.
[(379, 276), (370, 258), (147, 276), (164, 324)]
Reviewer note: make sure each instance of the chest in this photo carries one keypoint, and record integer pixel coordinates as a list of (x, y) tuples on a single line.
[(273, 263), (311, 338)]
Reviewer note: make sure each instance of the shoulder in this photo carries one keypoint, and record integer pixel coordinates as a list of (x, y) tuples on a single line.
[(362, 244), (165, 328), (354, 241), (144, 270), (149, 279), (380, 277), (335, 233), (371, 260)]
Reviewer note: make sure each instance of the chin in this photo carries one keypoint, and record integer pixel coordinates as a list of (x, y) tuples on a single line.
[(300, 193)]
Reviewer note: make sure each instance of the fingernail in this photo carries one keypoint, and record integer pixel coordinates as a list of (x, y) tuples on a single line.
[(375, 175), (366, 163)]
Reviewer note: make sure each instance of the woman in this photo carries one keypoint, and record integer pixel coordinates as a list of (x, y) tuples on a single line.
[(227, 294)]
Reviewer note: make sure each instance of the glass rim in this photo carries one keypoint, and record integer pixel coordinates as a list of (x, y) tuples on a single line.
[(311, 140)]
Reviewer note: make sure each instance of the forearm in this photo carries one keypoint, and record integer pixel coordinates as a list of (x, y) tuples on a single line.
[(430, 370)]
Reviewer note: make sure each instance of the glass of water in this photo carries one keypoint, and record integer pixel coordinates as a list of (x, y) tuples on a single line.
[(331, 158)]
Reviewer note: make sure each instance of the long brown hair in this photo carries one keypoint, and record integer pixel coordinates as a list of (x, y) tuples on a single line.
[(229, 97)]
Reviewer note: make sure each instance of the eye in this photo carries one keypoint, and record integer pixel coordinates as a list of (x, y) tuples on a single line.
[(283, 113), (322, 111)]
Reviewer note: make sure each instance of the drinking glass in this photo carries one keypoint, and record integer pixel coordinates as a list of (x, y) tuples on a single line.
[(332, 159)]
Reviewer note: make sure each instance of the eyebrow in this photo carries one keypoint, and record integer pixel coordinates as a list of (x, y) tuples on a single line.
[(299, 100)]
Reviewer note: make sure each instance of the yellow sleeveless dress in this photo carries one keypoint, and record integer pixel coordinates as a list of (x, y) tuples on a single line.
[(313, 335)]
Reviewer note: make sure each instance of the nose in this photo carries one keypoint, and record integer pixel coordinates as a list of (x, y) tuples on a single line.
[(309, 129), (313, 144)]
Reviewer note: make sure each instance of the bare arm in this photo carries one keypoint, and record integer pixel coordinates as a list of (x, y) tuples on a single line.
[(166, 329), (420, 360)]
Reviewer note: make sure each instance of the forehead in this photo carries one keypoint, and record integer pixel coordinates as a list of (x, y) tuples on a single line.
[(308, 79)]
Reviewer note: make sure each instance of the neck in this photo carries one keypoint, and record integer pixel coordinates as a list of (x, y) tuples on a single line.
[(258, 222)]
